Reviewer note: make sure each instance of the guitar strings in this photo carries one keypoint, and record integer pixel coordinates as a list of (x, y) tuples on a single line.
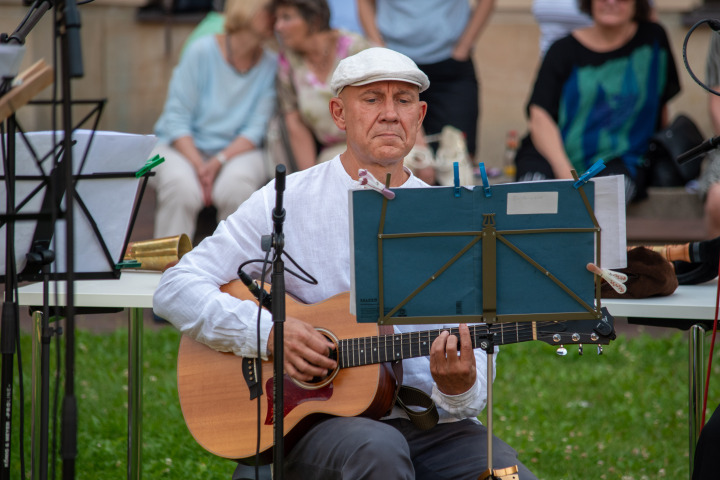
[(353, 349)]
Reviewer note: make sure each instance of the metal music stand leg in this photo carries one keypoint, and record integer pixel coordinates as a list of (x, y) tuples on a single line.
[(489, 348), (491, 474), (489, 357), (135, 380)]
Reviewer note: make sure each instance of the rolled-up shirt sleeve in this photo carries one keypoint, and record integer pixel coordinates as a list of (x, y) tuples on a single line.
[(189, 294)]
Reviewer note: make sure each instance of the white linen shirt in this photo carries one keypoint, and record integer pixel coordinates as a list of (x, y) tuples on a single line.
[(316, 232)]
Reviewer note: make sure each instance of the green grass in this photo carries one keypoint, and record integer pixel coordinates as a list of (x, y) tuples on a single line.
[(622, 415)]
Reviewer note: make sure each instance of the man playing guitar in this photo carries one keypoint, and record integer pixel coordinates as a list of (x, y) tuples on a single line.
[(377, 103)]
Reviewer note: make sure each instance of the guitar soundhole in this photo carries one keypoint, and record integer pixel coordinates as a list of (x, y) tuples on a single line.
[(320, 382)]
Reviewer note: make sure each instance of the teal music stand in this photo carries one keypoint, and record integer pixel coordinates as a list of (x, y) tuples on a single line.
[(517, 252), (508, 253)]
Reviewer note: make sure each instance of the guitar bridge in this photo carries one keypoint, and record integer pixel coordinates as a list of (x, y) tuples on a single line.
[(250, 370)]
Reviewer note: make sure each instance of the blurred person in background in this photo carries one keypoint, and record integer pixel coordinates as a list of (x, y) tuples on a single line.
[(220, 99), (309, 52), (600, 94), (439, 35)]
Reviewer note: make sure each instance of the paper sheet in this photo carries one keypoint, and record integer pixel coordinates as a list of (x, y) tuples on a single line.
[(110, 201), (610, 214)]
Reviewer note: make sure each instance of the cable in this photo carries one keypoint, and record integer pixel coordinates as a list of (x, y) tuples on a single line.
[(21, 394), (305, 277), (258, 373), (715, 26), (712, 347)]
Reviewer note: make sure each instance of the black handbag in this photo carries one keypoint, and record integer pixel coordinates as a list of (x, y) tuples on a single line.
[(665, 147)]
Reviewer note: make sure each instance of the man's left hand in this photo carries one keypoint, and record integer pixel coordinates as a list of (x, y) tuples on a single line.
[(453, 372)]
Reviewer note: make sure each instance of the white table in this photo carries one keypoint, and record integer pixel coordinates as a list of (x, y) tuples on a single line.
[(132, 291), (690, 307)]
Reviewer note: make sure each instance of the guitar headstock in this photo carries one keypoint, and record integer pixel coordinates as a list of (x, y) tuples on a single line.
[(578, 332)]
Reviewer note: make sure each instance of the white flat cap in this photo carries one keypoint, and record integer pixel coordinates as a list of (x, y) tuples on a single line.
[(376, 65)]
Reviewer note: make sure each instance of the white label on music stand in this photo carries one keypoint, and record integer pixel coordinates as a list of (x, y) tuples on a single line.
[(532, 203)]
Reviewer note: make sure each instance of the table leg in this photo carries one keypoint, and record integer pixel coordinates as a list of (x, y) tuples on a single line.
[(135, 380), (697, 385)]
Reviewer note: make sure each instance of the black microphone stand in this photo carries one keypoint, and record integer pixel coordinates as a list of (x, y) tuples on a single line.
[(9, 329), (278, 313), (72, 67), (695, 152)]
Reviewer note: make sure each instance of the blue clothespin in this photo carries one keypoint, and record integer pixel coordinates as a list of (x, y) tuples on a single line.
[(486, 182), (592, 171), (149, 165), (456, 174)]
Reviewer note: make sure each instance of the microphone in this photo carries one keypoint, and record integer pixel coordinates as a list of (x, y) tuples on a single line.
[(704, 251), (261, 295), (693, 153), (72, 30), (278, 214)]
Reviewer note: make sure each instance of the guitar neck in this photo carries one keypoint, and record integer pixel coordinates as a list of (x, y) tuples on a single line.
[(355, 352)]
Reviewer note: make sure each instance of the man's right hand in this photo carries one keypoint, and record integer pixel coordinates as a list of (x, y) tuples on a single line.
[(306, 350)]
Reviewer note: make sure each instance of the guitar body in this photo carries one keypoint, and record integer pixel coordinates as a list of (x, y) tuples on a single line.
[(215, 388), (215, 397)]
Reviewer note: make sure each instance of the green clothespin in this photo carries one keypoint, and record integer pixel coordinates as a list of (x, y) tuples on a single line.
[(128, 264), (149, 165)]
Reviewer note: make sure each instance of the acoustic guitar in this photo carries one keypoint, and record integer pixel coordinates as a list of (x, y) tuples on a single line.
[(215, 388)]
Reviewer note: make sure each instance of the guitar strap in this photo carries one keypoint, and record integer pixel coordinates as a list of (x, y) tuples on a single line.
[(423, 419), (406, 397)]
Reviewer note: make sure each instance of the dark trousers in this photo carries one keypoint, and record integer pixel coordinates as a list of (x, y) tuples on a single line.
[(452, 99), (360, 448), (707, 458)]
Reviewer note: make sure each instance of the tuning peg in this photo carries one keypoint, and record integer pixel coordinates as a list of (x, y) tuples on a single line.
[(580, 349), (562, 351), (600, 350)]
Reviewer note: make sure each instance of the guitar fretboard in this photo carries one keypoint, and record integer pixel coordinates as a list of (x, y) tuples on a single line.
[(354, 352)]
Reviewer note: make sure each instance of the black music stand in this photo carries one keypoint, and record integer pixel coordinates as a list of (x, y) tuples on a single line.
[(110, 175), (58, 180)]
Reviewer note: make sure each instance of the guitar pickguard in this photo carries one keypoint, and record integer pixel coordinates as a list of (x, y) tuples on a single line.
[(294, 395)]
